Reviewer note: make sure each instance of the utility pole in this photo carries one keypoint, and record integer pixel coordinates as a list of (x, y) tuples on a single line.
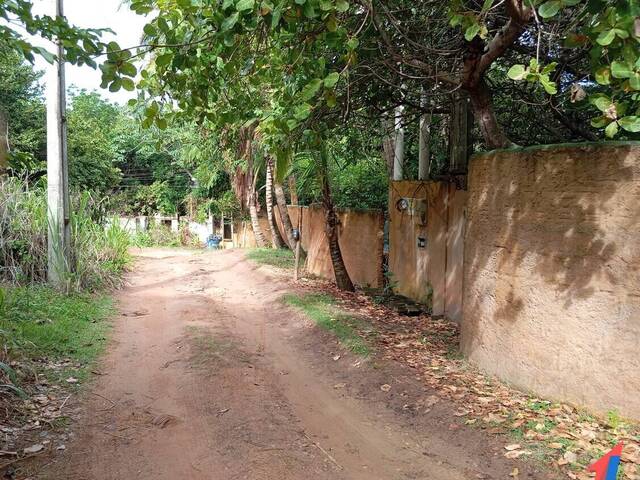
[(57, 169)]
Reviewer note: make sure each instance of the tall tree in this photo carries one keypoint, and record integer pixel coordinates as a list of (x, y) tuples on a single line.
[(276, 238)]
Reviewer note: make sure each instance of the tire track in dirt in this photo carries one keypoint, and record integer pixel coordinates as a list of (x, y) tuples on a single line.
[(240, 387)]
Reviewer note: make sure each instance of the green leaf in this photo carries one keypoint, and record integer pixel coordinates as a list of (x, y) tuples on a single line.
[(471, 31), (601, 102), (332, 24), (311, 89), (9, 372), (164, 60), (116, 85), (605, 38), (600, 122), (331, 80), (621, 69), (309, 11), (243, 5), (353, 43), (630, 123), (44, 53), (634, 81), (161, 123), (128, 69), (163, 25), (549, 86), (549, 9), (487, 5), (275, 16), (603, 76), (342, 6), (230, 22), (150, 30), (517, 72), (611, 130), (128, 84), (302, 112)]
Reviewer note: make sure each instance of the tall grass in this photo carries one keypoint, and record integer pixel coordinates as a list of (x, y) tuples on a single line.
[(98, 255)]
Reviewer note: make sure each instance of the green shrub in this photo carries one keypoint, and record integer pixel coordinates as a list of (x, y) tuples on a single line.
[(98, 255), (158, 235)]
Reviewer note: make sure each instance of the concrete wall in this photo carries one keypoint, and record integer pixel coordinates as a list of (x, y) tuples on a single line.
[(431, 273), (361, 241), (552, 272), (360, 235)]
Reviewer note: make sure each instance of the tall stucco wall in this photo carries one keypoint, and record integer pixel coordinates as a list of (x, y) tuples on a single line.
[(552, 272), (426, 250), (360, 236)]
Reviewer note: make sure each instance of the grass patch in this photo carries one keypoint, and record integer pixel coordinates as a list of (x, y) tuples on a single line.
[(322, 309), (281, 257), (38, 323)]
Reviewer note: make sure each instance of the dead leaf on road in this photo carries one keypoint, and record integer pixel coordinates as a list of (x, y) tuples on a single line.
[(570, 457), (516, 454), (385, 388), (34, 448)]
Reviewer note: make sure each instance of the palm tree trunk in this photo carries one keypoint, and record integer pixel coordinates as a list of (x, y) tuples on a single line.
[(343, 281), (277, 241), (293, 190), (261, 241)]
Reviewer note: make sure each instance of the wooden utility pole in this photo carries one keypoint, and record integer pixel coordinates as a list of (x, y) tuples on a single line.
[(57, 169)]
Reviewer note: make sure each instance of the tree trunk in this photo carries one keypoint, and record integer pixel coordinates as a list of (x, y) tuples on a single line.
[(281, 200), (343, 281), (4, 144), (482, 104), (261, 241), (388, 145), (277, 241), (293, 190)]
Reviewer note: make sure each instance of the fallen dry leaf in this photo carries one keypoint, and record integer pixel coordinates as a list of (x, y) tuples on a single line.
[(38, 447), (513, 446), (515, 472), (515, 454), (570, 457), (385, 388)]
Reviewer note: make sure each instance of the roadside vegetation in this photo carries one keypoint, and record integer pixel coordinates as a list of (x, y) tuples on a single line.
[(279, 257), (161, 236), (328, 315), (40, 327), (50, 339)]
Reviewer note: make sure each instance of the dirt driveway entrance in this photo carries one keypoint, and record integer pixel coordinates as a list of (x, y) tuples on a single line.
[(210, 376)]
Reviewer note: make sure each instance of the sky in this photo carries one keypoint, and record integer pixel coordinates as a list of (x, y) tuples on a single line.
[(126, 25)]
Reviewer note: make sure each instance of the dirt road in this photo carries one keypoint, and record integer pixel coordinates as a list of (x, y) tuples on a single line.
[(209, 376)]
